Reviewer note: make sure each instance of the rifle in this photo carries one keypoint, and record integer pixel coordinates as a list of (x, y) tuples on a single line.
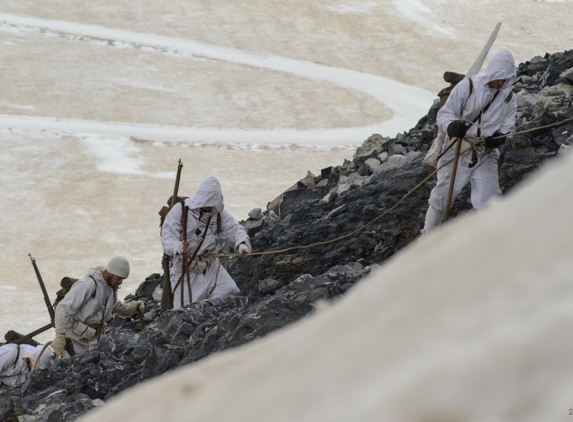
[(176, 187), (167, 296), (182, 278), (21, 339), (44, 291), (51, 311)]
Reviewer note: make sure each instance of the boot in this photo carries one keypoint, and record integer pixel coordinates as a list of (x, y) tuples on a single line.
[(433, 219)]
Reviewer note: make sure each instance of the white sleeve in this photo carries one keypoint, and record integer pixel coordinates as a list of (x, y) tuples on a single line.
[(232, 232), (7, 357), (81, 291), (171, 232), (508, 124), (453, 109)]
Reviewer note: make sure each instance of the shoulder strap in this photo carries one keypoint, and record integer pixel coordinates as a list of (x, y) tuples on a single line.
[(218, 222), (95, 286), (509, 96), (462, 110), (17, 355), (467, 99), (104, 308)]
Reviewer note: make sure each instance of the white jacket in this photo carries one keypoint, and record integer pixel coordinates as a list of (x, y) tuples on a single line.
[(462, 106), (86, 303), (14, 370), (208, 195), (213, 282)]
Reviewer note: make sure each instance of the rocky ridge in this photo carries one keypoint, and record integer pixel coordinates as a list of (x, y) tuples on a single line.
[(283, 288)]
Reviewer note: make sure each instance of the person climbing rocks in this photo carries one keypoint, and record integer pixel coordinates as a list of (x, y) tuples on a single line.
[(82, 314), (480, 106), (207, 223)]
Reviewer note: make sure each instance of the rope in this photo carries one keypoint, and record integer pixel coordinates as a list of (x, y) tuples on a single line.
[(216, 278), (37, 362), (326, 242), (346, 236), (540, 127)]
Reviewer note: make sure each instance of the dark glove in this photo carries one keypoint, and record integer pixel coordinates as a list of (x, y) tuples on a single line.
[(458, 129), (490, 142)]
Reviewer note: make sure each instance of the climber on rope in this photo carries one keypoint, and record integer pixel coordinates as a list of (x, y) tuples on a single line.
[(190, 231), (82, 314), (482, 106)]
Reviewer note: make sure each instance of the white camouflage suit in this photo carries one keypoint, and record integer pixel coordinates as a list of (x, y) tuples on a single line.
[(230, 231), (79, 314), (483, 176), (16, 362)]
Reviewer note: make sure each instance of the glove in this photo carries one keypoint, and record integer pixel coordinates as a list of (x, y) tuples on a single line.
[(133, 307), (494, 143), (244, 249), (59, 344), (458, 129)]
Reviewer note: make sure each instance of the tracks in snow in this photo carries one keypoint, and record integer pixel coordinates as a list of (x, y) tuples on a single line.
[(407, 103)]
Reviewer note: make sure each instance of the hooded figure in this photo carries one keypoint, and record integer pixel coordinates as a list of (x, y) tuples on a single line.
[(486, 108), (17, 360), (207, 224)]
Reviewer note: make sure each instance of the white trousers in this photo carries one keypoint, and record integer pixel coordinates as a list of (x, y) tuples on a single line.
[(201, 284), (483, 179)]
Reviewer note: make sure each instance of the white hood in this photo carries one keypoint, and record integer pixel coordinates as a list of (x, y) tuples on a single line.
[(501, 66), (209, 194)]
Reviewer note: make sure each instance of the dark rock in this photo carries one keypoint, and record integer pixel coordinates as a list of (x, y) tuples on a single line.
[(253, 226), (337, 211), (256, 214), (146, 289)]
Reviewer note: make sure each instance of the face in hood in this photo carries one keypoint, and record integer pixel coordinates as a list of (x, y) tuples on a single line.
[(208, 195), (501, 66)]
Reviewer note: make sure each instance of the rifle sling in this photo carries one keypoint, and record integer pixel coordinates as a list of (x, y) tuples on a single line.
[(100, 328)]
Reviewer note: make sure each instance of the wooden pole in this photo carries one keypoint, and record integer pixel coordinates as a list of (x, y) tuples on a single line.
[(453, 179), (167, 296)]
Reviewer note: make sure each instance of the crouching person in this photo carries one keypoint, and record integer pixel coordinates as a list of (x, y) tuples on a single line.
[(17, 361), (82, 314)]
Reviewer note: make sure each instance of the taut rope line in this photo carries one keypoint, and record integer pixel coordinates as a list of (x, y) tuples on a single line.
[(346, 236)]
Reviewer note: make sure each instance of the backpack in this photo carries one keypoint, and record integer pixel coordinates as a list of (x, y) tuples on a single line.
[(66, 284)]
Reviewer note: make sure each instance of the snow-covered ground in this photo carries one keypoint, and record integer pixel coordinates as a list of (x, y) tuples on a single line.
[(100, 100)]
